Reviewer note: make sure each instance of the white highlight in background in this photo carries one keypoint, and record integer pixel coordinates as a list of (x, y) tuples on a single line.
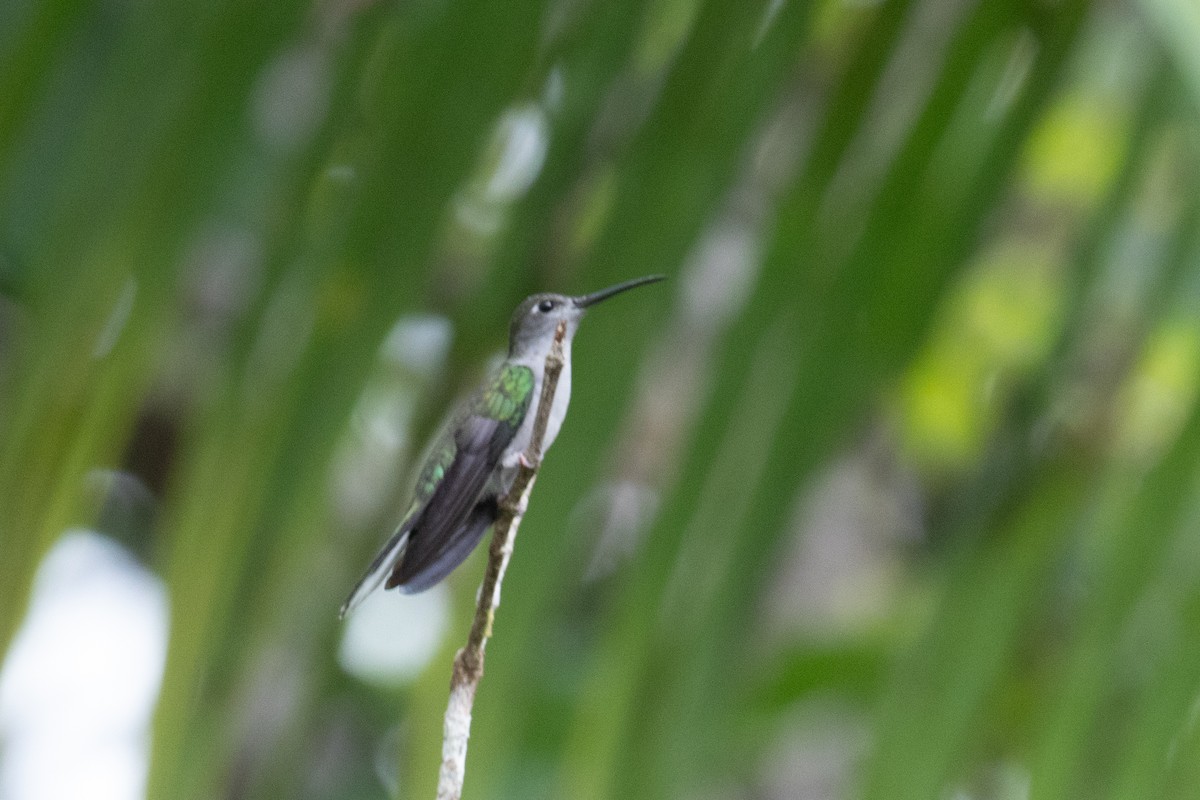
[(80, 682), (375, 653)]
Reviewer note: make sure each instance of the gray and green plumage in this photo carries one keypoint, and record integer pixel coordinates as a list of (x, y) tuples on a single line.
[(474, 461)]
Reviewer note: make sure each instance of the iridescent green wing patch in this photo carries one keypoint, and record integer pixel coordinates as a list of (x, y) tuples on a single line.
[(439, 459), (507, 399)]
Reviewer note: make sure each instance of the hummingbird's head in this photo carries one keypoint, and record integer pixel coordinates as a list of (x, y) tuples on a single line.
[(535, 320)]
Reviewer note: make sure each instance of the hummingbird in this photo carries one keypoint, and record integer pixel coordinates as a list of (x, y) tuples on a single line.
[(474, 461)]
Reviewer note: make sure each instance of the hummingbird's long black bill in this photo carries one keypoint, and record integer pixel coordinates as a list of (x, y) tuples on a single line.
[(583, 301)]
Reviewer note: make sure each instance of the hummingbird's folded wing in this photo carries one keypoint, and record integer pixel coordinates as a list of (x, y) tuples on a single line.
[(457, 547), (450, 511), (441, 526)]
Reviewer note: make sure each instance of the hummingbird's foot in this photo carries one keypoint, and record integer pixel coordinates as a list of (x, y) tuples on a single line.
[(524, 461)]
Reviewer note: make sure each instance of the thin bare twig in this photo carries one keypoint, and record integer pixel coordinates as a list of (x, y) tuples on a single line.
[(468, 664)]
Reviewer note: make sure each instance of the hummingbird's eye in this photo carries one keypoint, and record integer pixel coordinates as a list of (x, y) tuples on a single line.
[(546, 306)]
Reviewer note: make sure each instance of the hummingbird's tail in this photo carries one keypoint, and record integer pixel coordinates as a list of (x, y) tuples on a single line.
[(384, 561)]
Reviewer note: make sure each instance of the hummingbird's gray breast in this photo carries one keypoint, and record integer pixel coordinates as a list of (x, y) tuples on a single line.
[(558, 412)]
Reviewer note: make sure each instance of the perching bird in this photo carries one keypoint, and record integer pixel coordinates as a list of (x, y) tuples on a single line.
[(473, 463)]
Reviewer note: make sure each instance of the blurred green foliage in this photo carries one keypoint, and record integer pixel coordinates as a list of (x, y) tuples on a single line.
[(890, 493)]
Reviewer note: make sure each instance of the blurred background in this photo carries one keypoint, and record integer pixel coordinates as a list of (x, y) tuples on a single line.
[(889, 492)]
